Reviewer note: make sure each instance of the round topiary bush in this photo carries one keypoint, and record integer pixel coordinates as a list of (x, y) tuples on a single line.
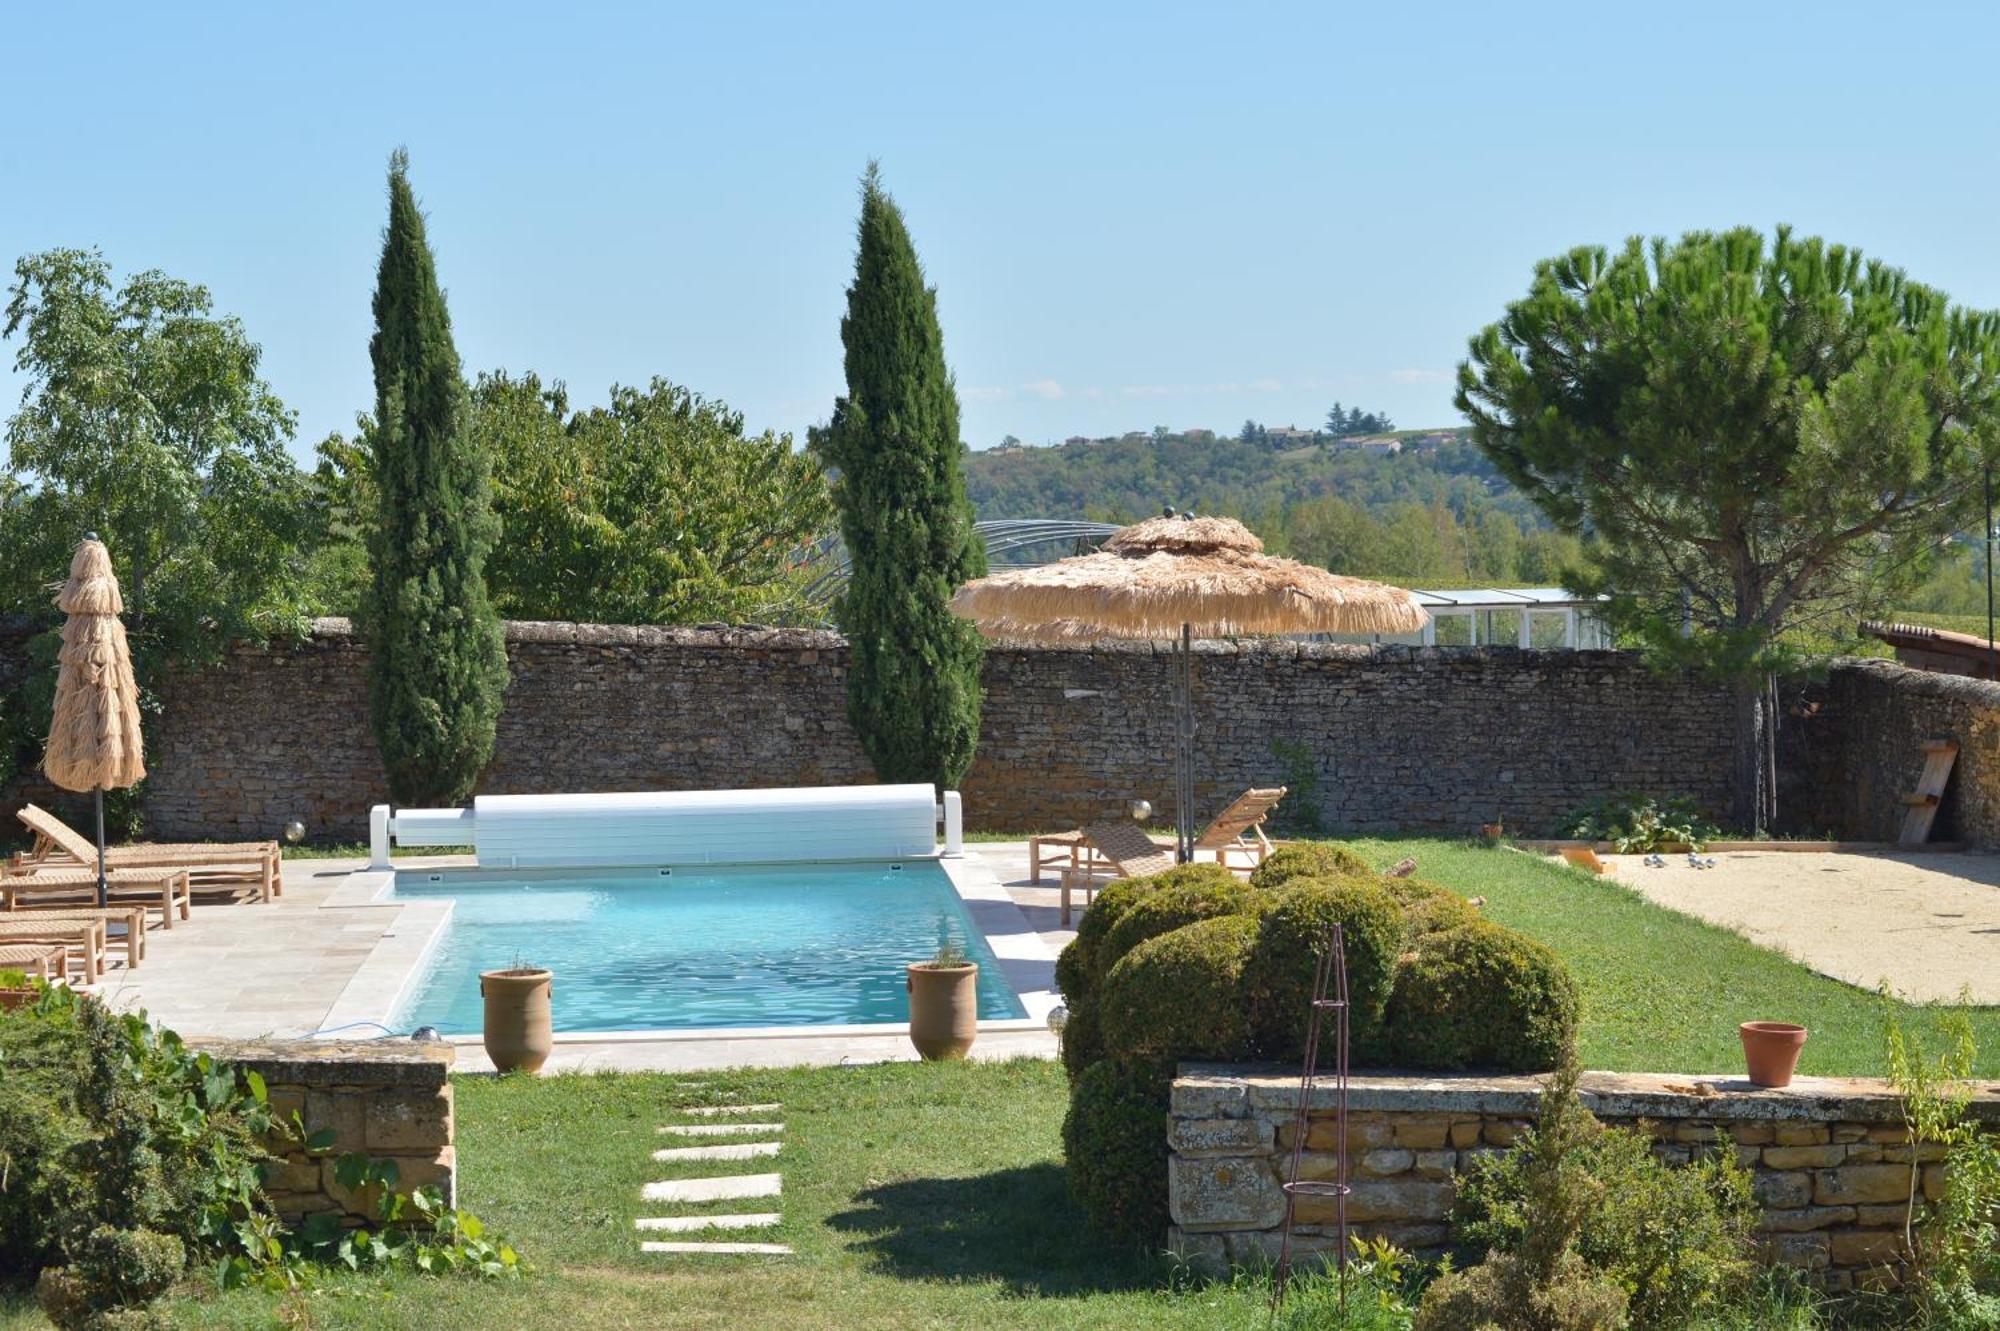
[(1429, 908), (1181, 995), (1480, 996), (1077, 970), (1169, 909), (1115, 1147), (1310, 859), (1291, 936)]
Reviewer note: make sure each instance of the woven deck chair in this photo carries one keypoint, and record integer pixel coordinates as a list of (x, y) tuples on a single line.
[(128, 916), (1232, 829), (36, 960), (209, 863), (164, 889), (1116, 850), (85, 936)]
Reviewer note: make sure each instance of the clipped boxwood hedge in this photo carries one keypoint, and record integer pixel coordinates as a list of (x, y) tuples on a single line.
[(1480, 996), (1309, 859), (1181, 995), (1115, 1146), (1292, 934), (1169, 909), (1429, 908)]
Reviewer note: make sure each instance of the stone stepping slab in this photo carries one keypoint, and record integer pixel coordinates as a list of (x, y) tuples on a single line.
[(683, 1224), (716, 1111), (738, 1249), (727, 1151), (719, 1129), (725, 1188)]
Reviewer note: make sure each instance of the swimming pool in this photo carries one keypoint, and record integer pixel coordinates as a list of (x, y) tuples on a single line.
[(693, 948)]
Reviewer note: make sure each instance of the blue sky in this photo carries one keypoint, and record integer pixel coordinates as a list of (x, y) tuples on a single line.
[(1136, 214)]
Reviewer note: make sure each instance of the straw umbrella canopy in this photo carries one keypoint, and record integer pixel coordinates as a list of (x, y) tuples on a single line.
[(1181, 577), (94, 740)]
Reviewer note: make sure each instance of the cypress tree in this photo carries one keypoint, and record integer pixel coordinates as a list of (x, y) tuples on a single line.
[(438, 664), (913, 681)]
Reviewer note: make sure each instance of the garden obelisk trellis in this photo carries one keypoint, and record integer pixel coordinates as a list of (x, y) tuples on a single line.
[(94, 740), (1180, 578)]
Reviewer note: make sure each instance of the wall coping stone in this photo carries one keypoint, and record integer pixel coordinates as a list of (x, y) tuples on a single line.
[(337, 1062), (1923, 683), (335, 628), (1220, 1090)]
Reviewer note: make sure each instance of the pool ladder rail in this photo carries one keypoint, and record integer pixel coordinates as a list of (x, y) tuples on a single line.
[(1329, 973)]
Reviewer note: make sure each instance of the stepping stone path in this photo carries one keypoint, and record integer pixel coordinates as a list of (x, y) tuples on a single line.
[(722, 1187)]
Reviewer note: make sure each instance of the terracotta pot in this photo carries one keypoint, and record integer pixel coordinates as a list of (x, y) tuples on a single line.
[(14, 998), (944, 1008), (1492, 831), (1771, 1049), (518, 1033)]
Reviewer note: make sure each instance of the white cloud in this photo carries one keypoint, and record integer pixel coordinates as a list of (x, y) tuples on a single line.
[(1048, 390), (1265, 385), (1422, 376), (985, 394)]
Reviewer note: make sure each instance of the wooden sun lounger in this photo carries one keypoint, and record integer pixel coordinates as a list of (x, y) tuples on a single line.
[(35, 960), (1116, 850), (209, 863), (132, 916), (85, 936), (165, 889), (1229, 834)]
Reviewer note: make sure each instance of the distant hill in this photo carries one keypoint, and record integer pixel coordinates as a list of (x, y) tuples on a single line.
[(1135, 476)]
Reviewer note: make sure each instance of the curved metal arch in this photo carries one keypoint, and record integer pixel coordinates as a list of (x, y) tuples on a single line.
[(1006, 539)]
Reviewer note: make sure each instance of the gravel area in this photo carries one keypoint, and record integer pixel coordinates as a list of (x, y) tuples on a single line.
[(1927, 924)]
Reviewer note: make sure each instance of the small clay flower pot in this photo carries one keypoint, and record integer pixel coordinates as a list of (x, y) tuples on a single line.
[(1771, 1051), (16, 998), (1493, 833), (944, 1008), (518, 1031)]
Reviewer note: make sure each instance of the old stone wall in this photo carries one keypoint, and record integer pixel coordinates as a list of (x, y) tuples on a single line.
[(1850, 747), (388, 1099), (1368, 739), (1829, 1158)]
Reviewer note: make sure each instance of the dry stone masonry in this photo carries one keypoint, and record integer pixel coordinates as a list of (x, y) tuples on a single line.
[(1367, 738), (1829, 1160), (385, 1099)]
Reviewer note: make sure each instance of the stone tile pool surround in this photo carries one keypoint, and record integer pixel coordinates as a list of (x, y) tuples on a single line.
[(387, 981)]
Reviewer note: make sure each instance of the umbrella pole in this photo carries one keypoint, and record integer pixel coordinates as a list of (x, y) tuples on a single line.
[(103, 892), (1185, 748)]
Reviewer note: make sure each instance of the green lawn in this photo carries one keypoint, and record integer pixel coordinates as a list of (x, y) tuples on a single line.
[(1662, 991)]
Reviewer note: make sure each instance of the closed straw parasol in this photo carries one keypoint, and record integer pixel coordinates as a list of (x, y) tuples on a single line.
[(94, 740), (1181, 577)]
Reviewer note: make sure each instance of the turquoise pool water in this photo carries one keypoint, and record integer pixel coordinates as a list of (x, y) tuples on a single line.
[(789, 945)]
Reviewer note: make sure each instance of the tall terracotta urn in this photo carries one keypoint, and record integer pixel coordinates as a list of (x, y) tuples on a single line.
[(518, 1032), (944, 1008)]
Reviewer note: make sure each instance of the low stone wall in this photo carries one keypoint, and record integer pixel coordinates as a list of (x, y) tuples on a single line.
[(1829, 1159), (386, 1099)]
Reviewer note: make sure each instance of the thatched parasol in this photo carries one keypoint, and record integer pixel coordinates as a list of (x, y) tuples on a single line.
[(94, 740), (1181, 578)]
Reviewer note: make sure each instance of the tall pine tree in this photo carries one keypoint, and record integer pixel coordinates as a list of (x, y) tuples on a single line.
[(438, 664), (913, 685)]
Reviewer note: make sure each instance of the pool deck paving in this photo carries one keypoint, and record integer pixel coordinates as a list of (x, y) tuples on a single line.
[(325, 953)]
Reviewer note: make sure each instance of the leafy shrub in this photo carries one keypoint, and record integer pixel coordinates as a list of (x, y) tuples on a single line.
[(113, 1269), (1428, 908), (1115, 1146), (1638, 823), (1676, 1240), (1170, 908), (1181, 995), (1077, 971), (1500, 1294), (1310, 859), (108, 1125), (1290, 939), (1480, 996)]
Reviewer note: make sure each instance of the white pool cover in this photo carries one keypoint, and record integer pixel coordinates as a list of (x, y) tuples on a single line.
[(683, 827)]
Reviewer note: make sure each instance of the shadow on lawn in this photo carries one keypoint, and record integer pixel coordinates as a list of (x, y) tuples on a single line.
[(1017, 1226)]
